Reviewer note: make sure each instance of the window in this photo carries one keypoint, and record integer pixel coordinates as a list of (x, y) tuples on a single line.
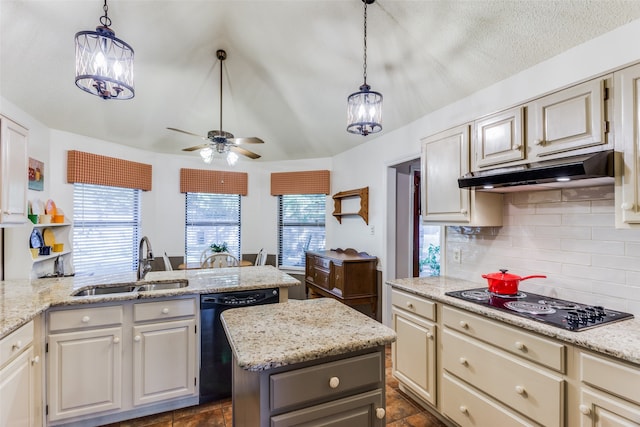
[(211, 218), (106, 229), (300, 227)]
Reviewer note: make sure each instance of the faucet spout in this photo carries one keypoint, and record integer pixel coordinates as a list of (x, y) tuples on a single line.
[(144, 262)]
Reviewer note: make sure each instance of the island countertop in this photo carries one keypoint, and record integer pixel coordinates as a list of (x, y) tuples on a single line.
[(620, 340), (22, 300), (268, 336)]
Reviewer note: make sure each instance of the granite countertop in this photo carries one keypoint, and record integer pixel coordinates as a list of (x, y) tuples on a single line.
[(22, 300), (268, 336), (620, 340)]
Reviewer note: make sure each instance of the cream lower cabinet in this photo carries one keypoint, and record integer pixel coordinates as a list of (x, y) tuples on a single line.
[(19, 377), (445, 158), (608, 392), (164, 351), (414, 352), (110, 362)]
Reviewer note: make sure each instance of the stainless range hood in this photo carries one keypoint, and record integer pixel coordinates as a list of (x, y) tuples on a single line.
[(577, 171)]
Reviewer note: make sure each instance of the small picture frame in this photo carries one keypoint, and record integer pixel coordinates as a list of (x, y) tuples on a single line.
[(36, 175)]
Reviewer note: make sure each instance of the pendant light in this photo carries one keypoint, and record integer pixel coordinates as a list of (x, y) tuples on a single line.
[(364, 108), (104, 63)]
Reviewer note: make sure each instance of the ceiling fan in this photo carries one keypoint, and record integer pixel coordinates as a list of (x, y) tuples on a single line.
[(220, 141)]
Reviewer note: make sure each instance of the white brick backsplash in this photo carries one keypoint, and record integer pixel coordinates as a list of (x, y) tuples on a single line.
[(569, 235)]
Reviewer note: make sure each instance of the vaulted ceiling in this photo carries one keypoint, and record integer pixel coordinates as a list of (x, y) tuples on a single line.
[(291, 63)]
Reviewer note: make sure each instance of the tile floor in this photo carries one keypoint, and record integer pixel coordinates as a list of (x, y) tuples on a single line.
[(401, 412)]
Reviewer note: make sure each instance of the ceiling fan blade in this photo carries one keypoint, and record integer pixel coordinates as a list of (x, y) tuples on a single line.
[(197, 147), (249, 140), (189, 133), (249, 154)]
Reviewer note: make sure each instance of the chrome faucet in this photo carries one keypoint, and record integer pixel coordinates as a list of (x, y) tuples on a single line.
[(144, 264)]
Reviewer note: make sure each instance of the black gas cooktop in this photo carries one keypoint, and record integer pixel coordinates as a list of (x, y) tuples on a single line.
[(552, 311)]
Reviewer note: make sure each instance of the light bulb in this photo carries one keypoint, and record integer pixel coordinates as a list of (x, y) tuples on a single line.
[(206, 154), (232, 158)]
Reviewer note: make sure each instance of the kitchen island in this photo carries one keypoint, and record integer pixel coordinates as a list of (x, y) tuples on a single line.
[(307, 360)]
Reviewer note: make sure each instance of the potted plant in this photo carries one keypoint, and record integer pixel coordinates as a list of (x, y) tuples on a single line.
[(217, 248)]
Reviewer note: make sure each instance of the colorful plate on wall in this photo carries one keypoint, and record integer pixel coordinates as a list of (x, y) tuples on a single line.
[(49, 238)]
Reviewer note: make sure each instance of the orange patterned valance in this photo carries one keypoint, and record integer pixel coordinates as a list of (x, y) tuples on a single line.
[(217, 182), (304, 182), (88, 168)]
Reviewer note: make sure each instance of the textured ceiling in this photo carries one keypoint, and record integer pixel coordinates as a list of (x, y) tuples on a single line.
[(291, 63)]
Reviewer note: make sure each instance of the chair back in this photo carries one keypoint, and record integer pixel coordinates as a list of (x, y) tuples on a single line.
[(167, 262), (220, 260), (261, 258)]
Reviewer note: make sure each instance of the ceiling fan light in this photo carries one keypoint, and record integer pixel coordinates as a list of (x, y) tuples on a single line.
[(232, 158), (104, 63), (207, 154)]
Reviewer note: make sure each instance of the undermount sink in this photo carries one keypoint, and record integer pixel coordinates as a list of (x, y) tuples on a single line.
[(123, 288)]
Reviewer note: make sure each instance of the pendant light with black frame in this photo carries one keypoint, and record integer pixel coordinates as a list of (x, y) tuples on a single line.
[(364, 108), (104, 63)]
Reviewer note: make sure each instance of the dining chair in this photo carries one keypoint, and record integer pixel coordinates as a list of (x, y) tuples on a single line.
[(219, 260), (261, 258)]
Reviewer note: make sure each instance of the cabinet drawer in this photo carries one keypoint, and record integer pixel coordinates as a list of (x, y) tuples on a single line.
[(162, 310), (319, 382), (617, 378), (521, 386), (467, 407), (84, 318), (15, 342), (414, 304), (516, 341), (321, 262), (320, 278)]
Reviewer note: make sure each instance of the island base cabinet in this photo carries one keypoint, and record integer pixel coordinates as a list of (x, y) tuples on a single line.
[(164, 366), (17, 384), (354, 411), (84, 372)]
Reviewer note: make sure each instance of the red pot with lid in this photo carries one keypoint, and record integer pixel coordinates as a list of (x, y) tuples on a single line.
[(504, 283)]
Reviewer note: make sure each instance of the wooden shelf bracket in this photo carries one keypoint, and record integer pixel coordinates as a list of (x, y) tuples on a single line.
[(362, 193)]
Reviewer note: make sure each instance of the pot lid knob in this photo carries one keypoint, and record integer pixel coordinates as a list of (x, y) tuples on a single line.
[(503, 270)]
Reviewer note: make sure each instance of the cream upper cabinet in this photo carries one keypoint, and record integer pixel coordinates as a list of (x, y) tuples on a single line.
[(445, 158), (499, 139), (14, 174), (627, 128), (571, 120)]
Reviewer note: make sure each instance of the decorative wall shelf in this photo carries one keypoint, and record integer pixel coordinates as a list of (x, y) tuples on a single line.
[(362, 193)]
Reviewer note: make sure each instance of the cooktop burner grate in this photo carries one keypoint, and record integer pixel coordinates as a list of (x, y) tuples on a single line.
[(552, 311)]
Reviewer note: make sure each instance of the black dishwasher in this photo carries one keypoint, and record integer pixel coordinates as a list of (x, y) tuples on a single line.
[(215, 352)]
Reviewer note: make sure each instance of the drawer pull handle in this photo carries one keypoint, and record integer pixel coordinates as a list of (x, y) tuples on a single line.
[(334, 382), (463, 361), (35, 360), (17, 345), (116, 340), (520, 390), (137, 338), (463, 409), (463, 211), (429, 335), (464, 325), (626, 206), (409, 305), (585, 409), (85, 319), (520, 345), (380, 413), (539, 142), (165, 310)]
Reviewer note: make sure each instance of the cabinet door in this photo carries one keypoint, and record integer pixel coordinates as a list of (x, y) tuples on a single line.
[(362, 410), (14, 175), (568, 120), (600, 410), (164, 360), (627, 121), (17, 391), (445, 157), (85, 372), (499, 139), (414, 354)]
